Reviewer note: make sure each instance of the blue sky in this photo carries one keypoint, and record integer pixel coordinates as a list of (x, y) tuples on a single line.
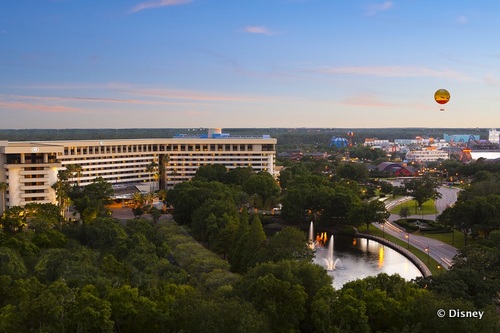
[(241, 63)]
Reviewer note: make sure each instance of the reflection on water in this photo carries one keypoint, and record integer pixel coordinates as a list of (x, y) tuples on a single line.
[(381, 257), (361, 258)]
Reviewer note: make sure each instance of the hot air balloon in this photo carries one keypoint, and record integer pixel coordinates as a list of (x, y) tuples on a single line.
[(442, 96)]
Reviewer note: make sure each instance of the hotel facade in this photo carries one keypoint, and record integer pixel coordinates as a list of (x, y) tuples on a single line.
[(30, 168), (427, 155)]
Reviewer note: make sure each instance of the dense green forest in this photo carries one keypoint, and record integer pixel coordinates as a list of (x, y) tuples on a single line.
[(105, 276)]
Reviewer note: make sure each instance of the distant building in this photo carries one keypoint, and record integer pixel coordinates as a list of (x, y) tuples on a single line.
[(405, 142), (460, 138), (338, 142), (30, 168), (494, 136), (370, 142), (397, 169), (483, 145), (426, 155)]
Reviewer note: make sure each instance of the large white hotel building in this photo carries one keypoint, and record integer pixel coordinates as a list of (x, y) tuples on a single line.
[(30, 168)]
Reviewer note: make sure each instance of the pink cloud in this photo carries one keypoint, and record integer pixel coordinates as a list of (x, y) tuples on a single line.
[(157, 4), (187, 95), (378, 7), (56, 99), (396, 71), (367, 100), (258, 30), (491, 80), (38, 107)]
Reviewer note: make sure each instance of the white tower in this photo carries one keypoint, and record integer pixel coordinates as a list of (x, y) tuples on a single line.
[(494, 136)]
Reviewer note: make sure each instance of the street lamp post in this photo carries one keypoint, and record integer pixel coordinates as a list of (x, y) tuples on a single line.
[(383, 230), (428, 252), (407, 236)]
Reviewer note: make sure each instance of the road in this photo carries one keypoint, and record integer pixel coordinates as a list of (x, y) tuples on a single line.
[(439, 251), (448, 197)]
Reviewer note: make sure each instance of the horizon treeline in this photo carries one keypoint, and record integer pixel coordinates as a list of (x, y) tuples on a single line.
[(285, 136)]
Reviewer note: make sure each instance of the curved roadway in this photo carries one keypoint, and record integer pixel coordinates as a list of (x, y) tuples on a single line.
[(439, 251)]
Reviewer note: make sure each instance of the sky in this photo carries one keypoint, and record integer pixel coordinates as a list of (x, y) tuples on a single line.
[(243, 64)]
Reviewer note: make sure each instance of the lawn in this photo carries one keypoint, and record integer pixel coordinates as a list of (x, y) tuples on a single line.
[(455, 239), (428, 208)]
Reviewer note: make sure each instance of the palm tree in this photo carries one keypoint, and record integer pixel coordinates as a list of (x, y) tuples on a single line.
[(138, 199), (149, 198), (163, 170), (3, 187), (75, 168), (151, 168), (78, 169)]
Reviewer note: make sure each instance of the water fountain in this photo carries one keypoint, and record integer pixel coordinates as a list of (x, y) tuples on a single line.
[(330, 263), (347, 258), (311, 236)]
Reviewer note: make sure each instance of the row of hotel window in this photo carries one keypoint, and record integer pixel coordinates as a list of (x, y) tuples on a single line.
[(127, 169), (159, 148), (38, 158)]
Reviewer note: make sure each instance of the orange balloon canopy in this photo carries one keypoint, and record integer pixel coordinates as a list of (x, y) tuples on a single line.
[(442, 96)]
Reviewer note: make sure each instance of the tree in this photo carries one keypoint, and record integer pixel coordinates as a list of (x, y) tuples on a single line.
[(485, 213), (404, 211), (263, 185), (187, 197), (306, 194), (386, 299), (254, 243), (103, 233), (13, 219), (341, 311), (458, 217), (339, 203), (282, 301), (209, 173), (290, 243), (11, 264), (353, 171), (214, 215), (62, 188), (152, 169), (3, 187), (474, 275), (155, 214), (90, 202), (42, 216), (90, 313), (130, 311), (284, 292), (422, 189), (367, 212), (77, 266), (480, 214), (235, 255), (238, 176), (74, 168)]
